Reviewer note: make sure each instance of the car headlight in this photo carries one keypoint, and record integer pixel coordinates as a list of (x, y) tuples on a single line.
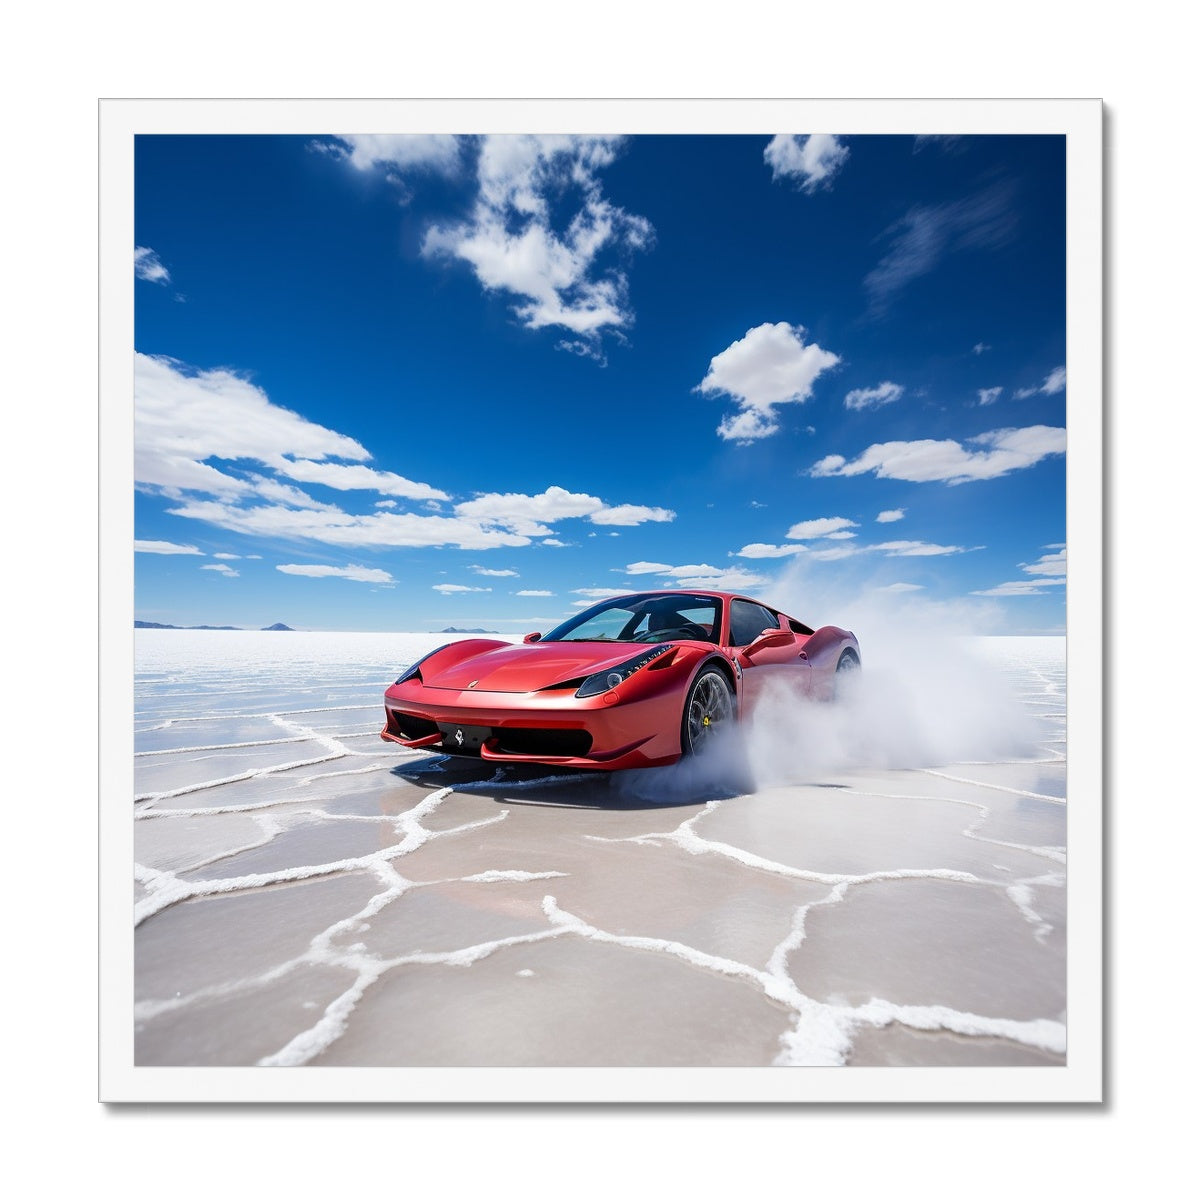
[(610, 677)]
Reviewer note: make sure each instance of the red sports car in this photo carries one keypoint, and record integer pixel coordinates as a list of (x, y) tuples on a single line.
[(634, 681)]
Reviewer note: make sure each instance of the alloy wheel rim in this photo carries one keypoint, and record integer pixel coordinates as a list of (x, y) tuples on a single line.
[(710, 707)]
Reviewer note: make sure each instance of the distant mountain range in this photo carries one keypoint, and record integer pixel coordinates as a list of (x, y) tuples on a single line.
[(156, 625), (451, 629)]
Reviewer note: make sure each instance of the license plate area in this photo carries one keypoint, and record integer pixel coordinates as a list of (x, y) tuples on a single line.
[(463, 739)]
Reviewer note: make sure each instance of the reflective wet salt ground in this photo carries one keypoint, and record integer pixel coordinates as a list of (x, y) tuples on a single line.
[(836, 887)]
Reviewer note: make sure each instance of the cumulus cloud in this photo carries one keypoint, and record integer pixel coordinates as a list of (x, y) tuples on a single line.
[(928, 461), (540, 229), (533, 592), (531, 516), (765, 550), (1049, 564), (448, 589), (146, 265), (221, 569), (699, 575), (441, 152), (769, 366), (1054, 383), (338, 528), (820, 527), (890, 514), (647, 568), (183, 418), (488, 571), (926, 234), (350, 478), (629, 514), (187, 421), (876, 397), (563, 271), (356, 573), (811, 161), (148, 547), (989, 395)]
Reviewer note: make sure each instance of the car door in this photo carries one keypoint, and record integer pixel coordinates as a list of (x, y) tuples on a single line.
[(767, 651)]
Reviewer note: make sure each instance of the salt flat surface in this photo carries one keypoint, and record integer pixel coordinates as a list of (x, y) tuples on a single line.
[(880, 882)]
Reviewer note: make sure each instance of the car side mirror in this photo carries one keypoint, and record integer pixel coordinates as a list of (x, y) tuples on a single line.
[(769, 638), (533, 637)]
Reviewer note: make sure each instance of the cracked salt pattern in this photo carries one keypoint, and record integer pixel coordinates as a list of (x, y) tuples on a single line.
[(306, 894)]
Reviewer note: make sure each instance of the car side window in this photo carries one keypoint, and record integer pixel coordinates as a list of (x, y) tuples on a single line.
[(747, 621)]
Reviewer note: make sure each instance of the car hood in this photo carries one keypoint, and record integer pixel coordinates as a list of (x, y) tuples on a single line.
[(527, 668)]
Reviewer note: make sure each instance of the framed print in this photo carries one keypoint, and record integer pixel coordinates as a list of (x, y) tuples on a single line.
[(586, 611)]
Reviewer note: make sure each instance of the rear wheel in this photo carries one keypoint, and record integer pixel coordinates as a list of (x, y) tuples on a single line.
[(709, 707), (847, 671)]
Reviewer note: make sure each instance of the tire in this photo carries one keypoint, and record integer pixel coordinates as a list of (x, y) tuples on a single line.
[(847, 671), (708, 708)]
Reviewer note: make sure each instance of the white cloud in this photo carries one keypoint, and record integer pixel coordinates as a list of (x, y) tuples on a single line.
[(594, 593), (820, 527), (769, 366), (386, 504), (145, 547), (488, 571), (532, 592), (902, 587), (221, 568), (1021, 587), (647, 568), (700, 575), (530, 516), (182, 419), (989, 395), (338, 528), (560, 269), (440, 152), (812, 161), (980, 347), (915, 549), (630, 514), (885, 393), (925, 235), (890, 514), (1048, 564), (764, 550), (356, 573), (927, 461), (146, 265), (448, 589), (351, 478), (1054, 383), (553, 542)]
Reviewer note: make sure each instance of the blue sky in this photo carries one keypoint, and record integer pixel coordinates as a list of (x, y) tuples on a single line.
[(411, 382)]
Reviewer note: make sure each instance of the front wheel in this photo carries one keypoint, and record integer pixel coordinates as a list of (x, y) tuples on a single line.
[(709, 707)]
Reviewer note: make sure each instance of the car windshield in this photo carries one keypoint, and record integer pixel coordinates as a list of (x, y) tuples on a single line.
[(650, 617)]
